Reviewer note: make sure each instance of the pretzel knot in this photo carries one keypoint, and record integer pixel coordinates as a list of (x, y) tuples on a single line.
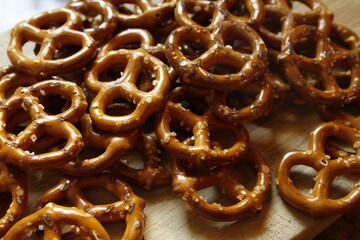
[(53, 219), (15, 147), (220, 48), (115, 146), (54, 30), (208, 14), (315, 78), (14, 181), (246, 201), (126, 86), (129, 207), (202, 150), (319, 203)]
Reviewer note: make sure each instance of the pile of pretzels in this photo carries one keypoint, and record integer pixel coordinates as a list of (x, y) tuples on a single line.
[(174, 81)]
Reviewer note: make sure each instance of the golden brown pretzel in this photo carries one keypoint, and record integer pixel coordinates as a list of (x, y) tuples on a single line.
[(201, 127), (13, 180), (204, 14), (314, 78), (100, 17), (52, 219), (319, 203), (125, 86), (42, 123), (115, 146), (152, 174), (53, 30), (246, 201), (145, 13), (129, 207), (259, 106), (244, 64)]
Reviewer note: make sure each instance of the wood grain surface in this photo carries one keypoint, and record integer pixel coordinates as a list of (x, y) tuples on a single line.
[(170, 218)]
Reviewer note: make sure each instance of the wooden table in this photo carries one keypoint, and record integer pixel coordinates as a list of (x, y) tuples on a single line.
[(170, 218)]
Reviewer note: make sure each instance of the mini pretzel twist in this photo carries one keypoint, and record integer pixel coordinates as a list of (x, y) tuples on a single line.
[(52, 219), (44, 30), (14, 181), (319, 203), (201, 152), (146, 14), (206, 14), (196, 71), (98, 27), (152, 174), (59, 125), (325, 89), (125, 87), (260, 106), (115, 146), (129, 207), (246, 201)]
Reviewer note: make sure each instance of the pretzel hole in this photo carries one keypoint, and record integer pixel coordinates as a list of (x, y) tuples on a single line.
[(30, 49), (222, 139), (299, 7), (92, 19), (338, 148), (342, 74), (222, 69), (134, 160), (273, 24), (182, 133), (112, 73), (246, 174), (120, 107), (238, 100), (239, 9), (129, 8), (66, 51), (237, 43), (303, 178), (192, 50), (343, 184), (5, 201), (338, 41), (93, 193), (200, 14), (17, 122), (312, 78), (196, 106), (90, 152), (306, 47), (146, 80), (54, 103), (214, 195)]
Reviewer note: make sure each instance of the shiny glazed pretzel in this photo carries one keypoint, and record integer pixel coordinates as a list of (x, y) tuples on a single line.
[(319, 203), (299, 69), (201, 151), (52, 219), (260, 106), (206, 14), (15, 146), (246, 201), (14, 181), (196, 71), (147, 101), (129, 207), (115, 145), (53, 30)]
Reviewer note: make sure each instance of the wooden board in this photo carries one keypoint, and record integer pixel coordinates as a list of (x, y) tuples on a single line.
[(170, 218)]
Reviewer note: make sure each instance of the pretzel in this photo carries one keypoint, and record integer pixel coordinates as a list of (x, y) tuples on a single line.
[(98, 27), (196, 71), (52, 219), (13, 180), (44, 29), (318, 203), (258, 107), (42, 123), (201, 152), (147, 101), (325, 89), (129, 206), (205, 14), (115, 146), (152, 174), (247, 202), (144, 14)]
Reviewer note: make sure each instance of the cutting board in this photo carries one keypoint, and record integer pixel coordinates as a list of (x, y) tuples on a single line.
[(168, 217)]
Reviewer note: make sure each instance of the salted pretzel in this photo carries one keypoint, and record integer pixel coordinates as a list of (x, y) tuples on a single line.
[(245, 64), (313, 77), (126, 85), (52, 219), (13, 180), (152, 173), (54, 30), (237, 113), (247, 201), (100, 17), (129, 207), (15, 147), (205, 14), (143, 13), (318, 203), (202, 151)]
